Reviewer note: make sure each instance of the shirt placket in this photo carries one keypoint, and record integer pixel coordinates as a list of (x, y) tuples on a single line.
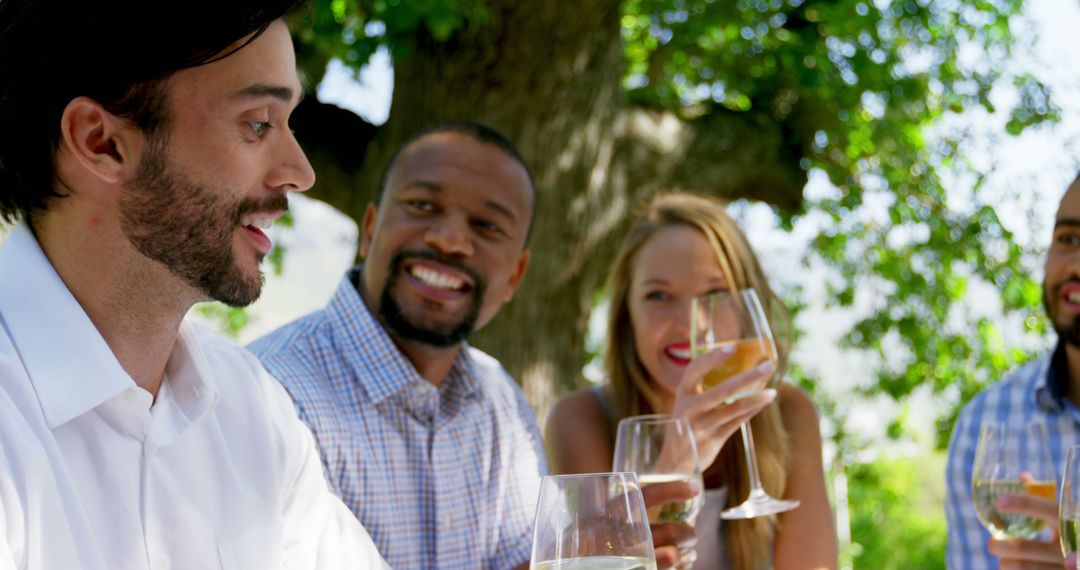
[(155, 549), (421, 401), (450, 461), (156, 552)]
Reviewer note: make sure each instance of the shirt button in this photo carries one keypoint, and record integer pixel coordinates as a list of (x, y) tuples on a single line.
[(447, 521)]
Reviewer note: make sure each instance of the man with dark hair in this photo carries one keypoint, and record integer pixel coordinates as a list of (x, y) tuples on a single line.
[(1047, 391), (139, 182), (429, 441)]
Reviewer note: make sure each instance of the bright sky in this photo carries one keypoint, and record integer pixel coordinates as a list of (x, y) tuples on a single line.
[(1026, 176)]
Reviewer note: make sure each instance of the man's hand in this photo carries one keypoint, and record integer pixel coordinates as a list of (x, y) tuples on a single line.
[(670, 540), (1015, 553)]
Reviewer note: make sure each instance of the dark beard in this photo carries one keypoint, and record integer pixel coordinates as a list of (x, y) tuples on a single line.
[(189, 228), (431, 334), (1068, 333)]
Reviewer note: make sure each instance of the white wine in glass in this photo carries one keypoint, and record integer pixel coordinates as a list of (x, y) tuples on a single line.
[(591, 521), (1069, 505), (736, 318), (1011, 461), (661, 449), (676, 511)]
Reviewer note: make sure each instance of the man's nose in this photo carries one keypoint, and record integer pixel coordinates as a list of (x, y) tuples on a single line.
[(450, 235), (292, 169)]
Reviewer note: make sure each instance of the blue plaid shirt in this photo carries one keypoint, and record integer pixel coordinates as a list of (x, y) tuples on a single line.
[(442, 477), (1035, 391)]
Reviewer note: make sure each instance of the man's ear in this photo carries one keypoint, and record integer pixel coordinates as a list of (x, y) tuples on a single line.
[(367, 229), (99, 141), (515, 278)]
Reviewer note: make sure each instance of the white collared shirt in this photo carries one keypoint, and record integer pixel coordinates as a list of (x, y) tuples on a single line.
[(218, 473)]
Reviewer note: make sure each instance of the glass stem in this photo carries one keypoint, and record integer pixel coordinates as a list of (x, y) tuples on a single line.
[(751, 459)]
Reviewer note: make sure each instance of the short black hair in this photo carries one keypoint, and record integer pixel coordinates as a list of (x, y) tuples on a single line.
[(118, 53), (476, 131)]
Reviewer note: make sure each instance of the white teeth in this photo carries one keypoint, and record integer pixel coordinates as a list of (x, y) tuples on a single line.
[(1074, 297), (436, 279), (261, 222), (679, 353)]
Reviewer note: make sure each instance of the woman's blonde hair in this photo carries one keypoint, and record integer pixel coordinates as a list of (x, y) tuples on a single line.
[(749, 541)]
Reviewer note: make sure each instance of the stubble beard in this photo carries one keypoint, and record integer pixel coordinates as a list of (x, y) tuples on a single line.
[(1069, 330), (189, 228), (412, 326)]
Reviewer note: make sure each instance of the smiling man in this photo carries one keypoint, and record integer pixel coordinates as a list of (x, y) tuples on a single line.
[(130, 439), (1046, 390), (429, 441)]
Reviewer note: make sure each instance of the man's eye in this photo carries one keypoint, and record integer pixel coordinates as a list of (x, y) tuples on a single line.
[(1069, 239), (488, 227), (259, 128), (422, 205)]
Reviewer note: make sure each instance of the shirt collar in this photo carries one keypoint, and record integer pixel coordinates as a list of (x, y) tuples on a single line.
[(1053, 383), (69, 364), (190, 377), (378, 365)]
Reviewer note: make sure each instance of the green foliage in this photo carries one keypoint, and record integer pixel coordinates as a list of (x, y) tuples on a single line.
[(861, 89), (229, 320), (896, 516), (861, 84), (352, 30)]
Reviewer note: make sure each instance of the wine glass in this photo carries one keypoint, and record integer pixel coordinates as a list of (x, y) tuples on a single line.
[(735, 318), (1069, 506), (661, 449), (1011, 462), (595, 521)]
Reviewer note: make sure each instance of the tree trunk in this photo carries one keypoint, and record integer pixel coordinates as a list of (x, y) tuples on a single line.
[(550, 79)]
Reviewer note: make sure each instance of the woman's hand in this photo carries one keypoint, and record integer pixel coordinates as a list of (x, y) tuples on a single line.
[(712, 417)]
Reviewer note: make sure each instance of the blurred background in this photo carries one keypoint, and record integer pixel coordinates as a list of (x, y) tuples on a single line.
[(895, 164)]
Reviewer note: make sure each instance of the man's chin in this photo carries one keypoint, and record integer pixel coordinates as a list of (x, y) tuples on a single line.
[(428, 331), (237, 293), (1069, 334)]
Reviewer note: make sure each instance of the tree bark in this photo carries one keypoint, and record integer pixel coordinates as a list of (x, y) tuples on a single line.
[(550, 79)]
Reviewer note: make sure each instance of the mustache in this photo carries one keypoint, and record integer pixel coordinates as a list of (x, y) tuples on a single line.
[(401, 256), (275, 203)]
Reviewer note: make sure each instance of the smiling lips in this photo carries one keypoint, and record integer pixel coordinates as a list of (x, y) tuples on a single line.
[(679, 352), (254, 224), (1070, 293), (436, 281)]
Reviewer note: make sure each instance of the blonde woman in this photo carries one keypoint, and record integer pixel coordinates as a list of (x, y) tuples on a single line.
[(683, 247)]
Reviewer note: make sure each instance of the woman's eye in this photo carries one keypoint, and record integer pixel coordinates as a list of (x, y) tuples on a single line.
[(656, 296)]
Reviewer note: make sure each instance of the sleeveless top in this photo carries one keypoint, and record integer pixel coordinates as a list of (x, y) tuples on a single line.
[(712, 543)]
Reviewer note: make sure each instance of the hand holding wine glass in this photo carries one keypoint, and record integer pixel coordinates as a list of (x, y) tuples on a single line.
[(715, 414), (736, 320), (660, 449), (1014, 487)]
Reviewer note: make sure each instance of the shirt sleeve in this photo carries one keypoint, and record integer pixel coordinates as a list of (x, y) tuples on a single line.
[(967, 543), (528, 465), (320, 532), (6, 561), (7, 557)]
